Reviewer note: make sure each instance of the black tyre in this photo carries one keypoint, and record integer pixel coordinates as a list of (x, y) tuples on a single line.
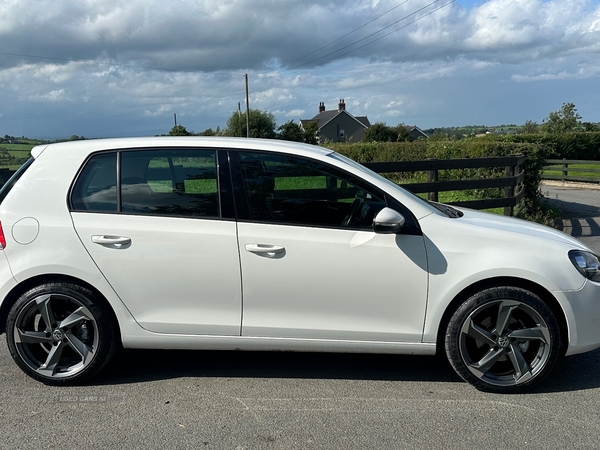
[(59, 333), (503, 339)]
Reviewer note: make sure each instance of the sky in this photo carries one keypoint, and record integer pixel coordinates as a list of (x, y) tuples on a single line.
[(111, 68)]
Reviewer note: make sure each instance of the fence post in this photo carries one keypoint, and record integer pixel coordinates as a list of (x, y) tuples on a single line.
[(509, 191), (432, 177), (565, 166)]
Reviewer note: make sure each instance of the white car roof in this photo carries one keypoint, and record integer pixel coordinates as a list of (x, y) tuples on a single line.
[(94, 145)]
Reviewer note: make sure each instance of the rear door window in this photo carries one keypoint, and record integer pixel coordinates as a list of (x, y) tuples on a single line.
[(157, 182)]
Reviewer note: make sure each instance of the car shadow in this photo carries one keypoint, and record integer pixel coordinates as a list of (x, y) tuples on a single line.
[(575, 373), (136, 366)]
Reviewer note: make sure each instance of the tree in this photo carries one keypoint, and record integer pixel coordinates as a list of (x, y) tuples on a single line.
[(179, 130), (262, 124), (564, 120), (402, 134), (530, 127), (380, 132), (589, 126), (311, 131), (290, 131), (207, 132)]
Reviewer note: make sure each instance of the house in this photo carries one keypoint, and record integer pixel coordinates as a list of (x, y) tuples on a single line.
[(338, 125), (415, 132)]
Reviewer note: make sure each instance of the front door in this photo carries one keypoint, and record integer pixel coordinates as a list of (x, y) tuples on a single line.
[(311, 265)]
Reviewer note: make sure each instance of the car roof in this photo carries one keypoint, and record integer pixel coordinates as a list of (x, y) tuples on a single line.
[(94, 145)]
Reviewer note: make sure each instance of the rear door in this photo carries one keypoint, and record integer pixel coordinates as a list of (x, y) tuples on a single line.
[(164, 235)]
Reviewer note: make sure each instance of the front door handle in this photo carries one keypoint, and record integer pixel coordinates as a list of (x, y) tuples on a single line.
[(111, 240), (262, 249)]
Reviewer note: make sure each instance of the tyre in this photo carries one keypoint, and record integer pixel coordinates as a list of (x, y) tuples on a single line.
[(503, 339), (59, 333)]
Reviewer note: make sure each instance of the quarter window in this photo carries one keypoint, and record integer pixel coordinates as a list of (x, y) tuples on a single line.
[(96, 188)]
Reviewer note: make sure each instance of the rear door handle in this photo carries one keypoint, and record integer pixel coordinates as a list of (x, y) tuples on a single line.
[(111, 240), (262, 249)]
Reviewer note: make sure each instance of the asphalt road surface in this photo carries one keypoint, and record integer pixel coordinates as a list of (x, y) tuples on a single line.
[(234, 400), (580, 207)]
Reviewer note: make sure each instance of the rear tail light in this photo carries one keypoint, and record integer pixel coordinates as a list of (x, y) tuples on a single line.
[(2, 238)]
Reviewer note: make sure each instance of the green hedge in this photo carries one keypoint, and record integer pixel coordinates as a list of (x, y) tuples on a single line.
[(536, 152), (565, 145)]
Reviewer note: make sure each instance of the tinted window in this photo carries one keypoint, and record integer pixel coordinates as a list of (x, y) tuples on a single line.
[(96, 187), (162, 182), (287, 189), (170, 182)]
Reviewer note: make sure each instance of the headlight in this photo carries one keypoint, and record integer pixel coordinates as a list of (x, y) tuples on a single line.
[(587, 263)]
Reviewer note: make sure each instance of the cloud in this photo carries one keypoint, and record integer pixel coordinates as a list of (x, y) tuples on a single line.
[(143, 60)]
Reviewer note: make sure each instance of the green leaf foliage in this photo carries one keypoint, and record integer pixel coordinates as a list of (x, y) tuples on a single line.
[(536, 154), (262, 124)]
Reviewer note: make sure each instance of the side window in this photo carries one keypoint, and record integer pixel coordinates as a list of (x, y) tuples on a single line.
[(170, 182), (160, 182), (96, 187), (293, 190)]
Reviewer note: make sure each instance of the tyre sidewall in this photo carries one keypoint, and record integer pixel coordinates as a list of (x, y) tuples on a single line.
[(453, 331), (106, 341)]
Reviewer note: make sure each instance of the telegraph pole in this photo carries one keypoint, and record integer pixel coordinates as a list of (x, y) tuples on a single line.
[(247, 109), (175, 117)]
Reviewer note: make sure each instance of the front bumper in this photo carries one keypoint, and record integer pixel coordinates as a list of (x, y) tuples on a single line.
[(583, 318)]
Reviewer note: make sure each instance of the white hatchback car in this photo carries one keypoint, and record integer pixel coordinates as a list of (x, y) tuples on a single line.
[(216, 243)]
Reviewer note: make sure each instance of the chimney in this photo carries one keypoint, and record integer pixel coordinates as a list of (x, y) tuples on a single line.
[(341, 105), (321, 107)]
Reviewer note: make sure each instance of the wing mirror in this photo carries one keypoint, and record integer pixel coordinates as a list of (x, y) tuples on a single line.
[(388, 221)]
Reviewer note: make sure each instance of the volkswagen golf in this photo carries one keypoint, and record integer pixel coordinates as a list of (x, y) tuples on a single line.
[(223, 243)]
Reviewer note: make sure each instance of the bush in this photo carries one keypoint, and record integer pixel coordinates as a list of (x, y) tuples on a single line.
[(582, 145), (535, 152)]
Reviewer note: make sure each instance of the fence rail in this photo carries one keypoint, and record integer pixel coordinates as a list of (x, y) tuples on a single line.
[(512, 182), (583, 174)]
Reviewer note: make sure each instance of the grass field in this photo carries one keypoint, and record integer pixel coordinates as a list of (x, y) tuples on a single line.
[(13, 156), (593, 176)]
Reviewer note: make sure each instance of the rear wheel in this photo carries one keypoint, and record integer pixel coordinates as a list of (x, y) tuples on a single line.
[(59, 333), (503, 339)]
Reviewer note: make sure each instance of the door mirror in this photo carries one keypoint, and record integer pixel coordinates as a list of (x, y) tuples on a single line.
[(388, 221)]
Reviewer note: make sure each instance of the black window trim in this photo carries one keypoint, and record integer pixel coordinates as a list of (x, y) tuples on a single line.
[(226, 197), (411, 226)]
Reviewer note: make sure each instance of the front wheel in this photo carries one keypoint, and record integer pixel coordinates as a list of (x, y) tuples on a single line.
[(58, 333), (503, 339)]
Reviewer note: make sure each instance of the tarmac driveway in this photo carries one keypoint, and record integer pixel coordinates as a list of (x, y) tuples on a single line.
[(580, 206)]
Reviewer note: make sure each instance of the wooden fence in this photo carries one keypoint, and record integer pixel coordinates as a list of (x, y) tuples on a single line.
[(568, 173), (512, 182)]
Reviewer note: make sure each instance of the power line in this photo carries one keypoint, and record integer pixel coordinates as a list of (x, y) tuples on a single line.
[(348, 34), (94, 61), (279, 71), (367, 37), (393, 31)]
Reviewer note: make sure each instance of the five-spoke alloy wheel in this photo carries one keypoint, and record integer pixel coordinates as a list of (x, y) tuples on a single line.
[(57, 333), (503, 339)]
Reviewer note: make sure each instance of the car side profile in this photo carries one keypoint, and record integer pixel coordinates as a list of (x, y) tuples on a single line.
[(224, 243)]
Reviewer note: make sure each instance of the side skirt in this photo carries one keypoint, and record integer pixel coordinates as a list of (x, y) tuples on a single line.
[(185, 342)]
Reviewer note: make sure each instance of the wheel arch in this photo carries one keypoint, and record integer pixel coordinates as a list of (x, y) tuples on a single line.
[(545, 295), (29, 283)]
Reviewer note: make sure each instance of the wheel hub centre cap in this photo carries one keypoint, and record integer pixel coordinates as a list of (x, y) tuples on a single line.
[(503, 341), (57, 335)]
